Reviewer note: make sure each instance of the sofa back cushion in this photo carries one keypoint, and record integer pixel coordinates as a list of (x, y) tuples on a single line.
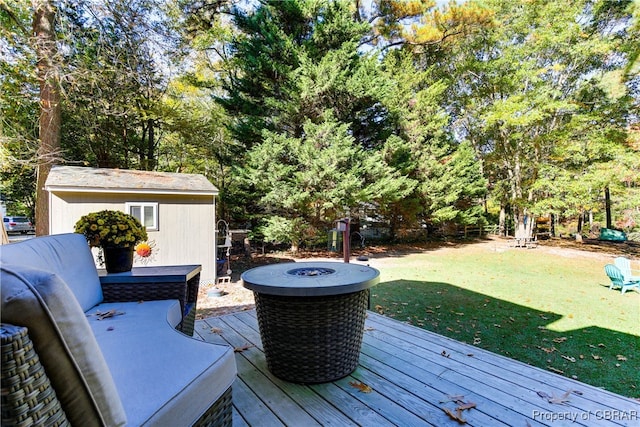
[(66, 255), (65, 344)]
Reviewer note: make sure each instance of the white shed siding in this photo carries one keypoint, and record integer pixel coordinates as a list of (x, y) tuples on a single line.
[(186, 217), (186, 234), (67, 208)]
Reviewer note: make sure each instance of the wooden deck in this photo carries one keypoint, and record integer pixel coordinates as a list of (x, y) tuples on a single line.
[(413, 375)]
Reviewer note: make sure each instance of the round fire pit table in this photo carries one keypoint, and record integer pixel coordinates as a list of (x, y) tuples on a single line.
[(311, 317)]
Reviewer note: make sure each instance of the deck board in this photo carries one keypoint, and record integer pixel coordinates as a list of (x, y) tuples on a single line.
[(411, 372)]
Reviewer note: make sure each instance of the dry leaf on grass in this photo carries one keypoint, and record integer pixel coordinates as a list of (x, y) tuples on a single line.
[(569, 358), (363, 388)]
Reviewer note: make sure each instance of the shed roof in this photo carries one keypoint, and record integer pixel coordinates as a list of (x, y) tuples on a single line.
[(82, 179)]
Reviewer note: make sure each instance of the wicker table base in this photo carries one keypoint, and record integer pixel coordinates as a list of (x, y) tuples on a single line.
[(312, 339)]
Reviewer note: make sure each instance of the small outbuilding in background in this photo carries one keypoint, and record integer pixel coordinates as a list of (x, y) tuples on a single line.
[(178, 209)]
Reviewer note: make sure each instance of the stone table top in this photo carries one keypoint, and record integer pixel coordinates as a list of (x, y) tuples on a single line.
[(315, 278)]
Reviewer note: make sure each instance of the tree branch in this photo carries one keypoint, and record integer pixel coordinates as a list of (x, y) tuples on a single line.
[(14, 18)]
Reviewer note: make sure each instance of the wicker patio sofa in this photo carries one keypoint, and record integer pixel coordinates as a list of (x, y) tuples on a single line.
[(66, 362)]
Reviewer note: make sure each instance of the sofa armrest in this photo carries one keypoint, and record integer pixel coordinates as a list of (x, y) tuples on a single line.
[(27, 394)]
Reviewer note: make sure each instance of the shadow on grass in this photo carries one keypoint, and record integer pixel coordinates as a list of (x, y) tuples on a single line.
[(594, 355), (400, 250)]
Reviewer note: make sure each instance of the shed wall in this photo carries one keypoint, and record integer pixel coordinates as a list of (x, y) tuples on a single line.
[(185, 232)]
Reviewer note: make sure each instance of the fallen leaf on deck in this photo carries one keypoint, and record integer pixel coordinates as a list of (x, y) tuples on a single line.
[(457, 416), (243, 348), (369, 328), (543, 395), (216, 331), (466, 406), (561, 400), (445, 354), (363, 388), (110, 328)]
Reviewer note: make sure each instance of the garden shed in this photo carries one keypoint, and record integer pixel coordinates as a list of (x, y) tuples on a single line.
[(178, 209)]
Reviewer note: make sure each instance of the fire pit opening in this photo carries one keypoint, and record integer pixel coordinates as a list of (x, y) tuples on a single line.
[(310, 271)]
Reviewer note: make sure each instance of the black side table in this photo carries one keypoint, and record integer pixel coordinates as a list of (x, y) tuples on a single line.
[(179, 282)]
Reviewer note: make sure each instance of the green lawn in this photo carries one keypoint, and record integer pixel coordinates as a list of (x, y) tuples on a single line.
[(549, 307)]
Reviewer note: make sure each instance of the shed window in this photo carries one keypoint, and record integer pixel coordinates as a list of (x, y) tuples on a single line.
[(147, 213)]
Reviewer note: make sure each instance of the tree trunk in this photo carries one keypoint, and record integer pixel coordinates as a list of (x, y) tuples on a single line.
[(607, 205), (50, 111), (151, 152), (502, 222), (580, 219)]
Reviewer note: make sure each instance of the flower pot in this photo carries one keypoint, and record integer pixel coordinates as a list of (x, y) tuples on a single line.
[(118, 260)]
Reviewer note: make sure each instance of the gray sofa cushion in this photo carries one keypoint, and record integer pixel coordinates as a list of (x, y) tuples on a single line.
[(164, 378), (66, 255), (65, 344)]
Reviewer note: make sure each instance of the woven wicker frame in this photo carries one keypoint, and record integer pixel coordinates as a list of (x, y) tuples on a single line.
[(312, 339), (220, 414), (29, 399), (27, 395), (187, 295)]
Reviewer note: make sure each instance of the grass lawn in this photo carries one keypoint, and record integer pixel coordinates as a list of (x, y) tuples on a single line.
[(548, 307)]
